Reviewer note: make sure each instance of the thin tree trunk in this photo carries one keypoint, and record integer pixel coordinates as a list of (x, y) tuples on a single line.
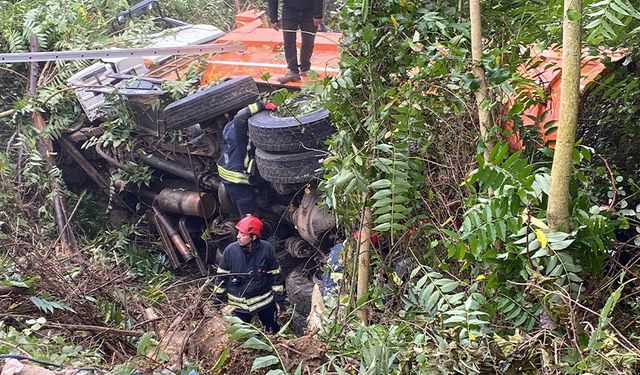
[(482, 93), (558, 215), (45, 147), (364, 256)]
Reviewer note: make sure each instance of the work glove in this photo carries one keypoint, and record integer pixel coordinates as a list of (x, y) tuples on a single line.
[(270, 106)]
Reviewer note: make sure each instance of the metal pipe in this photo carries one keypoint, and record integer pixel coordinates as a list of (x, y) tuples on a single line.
[(174, 235), (168, 246), (167, 166), (184, 202), (110, 160), (205, 179)]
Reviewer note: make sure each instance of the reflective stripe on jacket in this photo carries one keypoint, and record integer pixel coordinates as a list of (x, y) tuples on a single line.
[(236, 160), (250, 278)]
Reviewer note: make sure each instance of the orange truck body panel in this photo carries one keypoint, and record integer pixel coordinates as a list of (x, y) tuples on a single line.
[(548, 76), (262, 56)]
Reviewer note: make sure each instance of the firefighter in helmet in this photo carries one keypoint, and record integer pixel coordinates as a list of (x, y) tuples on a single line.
[(236, 165), (249, 277)]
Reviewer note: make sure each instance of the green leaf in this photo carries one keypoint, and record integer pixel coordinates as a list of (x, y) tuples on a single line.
[(573, 15), (560, 245), (611, 17), (454, 319), (432, 301), (556, 236), (256, 343), (145, 343), (19, 284), (221, 360), (449, 287), (501, 230), (477, 322), (380, 184), (381, 194), (515, 109), (619, 9), (523, 318), (234, 321), (517, 311), (242, 333), (384, 227), (382, 202), (266, 361)]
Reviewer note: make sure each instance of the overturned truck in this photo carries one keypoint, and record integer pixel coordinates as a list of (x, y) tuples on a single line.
[(181, 142)]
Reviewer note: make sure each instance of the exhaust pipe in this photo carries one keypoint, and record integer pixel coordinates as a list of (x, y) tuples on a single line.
[(184, 202), (174, 235)]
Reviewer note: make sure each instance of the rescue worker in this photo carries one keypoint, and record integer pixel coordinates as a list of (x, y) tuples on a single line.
[(333, 275), (305, 15), (249, 277), (236, 166)]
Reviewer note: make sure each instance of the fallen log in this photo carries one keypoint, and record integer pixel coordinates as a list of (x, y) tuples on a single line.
[(6, 113), (11, 289), (96, 329)]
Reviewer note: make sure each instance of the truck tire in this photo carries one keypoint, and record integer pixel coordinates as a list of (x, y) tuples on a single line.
[(289, 168), (210, 102), (290, 134), (298, 323), (299, 288), (287, 262)]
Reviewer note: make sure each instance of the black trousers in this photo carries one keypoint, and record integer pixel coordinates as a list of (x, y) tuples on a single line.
[(243, 196), (308, 30), (267, 317)]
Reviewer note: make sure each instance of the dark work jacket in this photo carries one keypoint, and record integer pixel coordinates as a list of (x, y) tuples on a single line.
[(236, 163), (296, 9), (250, 279)]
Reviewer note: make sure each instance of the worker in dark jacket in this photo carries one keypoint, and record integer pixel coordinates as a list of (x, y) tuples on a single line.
[(305, 15), (236, 166), (249, 277)]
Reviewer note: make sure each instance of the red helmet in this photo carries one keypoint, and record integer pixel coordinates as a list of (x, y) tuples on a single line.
[(250, 225)]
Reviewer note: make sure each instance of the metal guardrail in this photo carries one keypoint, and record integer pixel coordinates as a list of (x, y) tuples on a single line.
[(10, 58)]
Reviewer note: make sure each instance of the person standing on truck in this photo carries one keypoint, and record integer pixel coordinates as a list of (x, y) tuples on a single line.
[(249, 276), (305, 15), (236, 166)]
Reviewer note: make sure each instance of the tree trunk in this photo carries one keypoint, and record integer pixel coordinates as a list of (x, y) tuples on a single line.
[(45, 147), (364, 256), (482, 93), (558, 215)]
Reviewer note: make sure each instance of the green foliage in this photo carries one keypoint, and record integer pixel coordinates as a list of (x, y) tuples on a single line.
[(255, 339), (608, 115), (35, 342), (49, 306), (385, 131), (125, 246), (610, 20)]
